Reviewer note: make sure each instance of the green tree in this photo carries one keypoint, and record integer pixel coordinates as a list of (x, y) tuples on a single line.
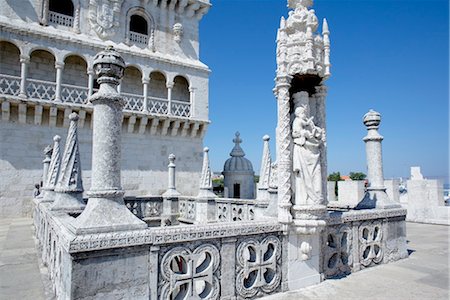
[(336, 176), (357, 176)]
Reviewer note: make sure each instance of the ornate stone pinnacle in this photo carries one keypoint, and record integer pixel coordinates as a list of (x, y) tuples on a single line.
[(172, 158), (296, 3), (48, 150), (109, 66), (74, 117), (266, 138), (372, 119)]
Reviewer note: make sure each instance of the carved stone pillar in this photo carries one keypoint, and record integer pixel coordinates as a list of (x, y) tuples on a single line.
[(284, 149), (76, 20), (169, 97), (90, 73), (192, 101), (376, 192), (24, 61), (46, 162), (320, 118), (145, 83), (106, 210), (59, 69), (44, 12)]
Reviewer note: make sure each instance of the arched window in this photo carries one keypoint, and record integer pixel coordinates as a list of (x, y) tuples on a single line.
[(61, 12), (139, 27), (138, 24)]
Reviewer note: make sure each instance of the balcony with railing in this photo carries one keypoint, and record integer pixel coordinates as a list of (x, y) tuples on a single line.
[(138, 38), (60, 19), (46, 91)]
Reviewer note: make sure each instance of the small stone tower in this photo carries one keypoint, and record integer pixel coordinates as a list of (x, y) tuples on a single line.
[(238, 173)]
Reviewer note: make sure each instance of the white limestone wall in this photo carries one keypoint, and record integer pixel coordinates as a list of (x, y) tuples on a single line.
[(132, 81), (75, 71), (426, 202), (42, 66), (144, 163), (9, 59)]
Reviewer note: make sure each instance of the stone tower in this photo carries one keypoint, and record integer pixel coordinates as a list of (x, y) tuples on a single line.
[(46, 73), (238, 174)]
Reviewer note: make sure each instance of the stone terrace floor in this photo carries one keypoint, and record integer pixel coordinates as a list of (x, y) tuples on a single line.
[(424, 275)]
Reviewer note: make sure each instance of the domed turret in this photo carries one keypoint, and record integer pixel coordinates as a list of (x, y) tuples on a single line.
[(238, 173)]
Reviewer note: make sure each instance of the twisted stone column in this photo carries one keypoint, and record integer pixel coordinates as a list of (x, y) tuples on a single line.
[(106, 210), (284, 149)]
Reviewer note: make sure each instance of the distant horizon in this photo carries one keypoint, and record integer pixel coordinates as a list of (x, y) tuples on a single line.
[(398, 67)]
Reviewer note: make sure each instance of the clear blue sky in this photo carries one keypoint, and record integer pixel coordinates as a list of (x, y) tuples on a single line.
[(391, 56)]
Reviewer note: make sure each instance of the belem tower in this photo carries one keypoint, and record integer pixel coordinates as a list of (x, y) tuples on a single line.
[(127, 210)]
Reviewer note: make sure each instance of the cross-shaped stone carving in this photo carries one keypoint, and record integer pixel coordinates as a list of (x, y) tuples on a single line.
[(192, 275), (370, 237), (258, 266), (182, 269), (261, 264)]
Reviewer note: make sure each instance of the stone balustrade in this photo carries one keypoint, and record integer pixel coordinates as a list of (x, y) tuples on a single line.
[(40, 90)]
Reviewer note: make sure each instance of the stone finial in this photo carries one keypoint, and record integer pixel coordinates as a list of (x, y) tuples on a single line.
[(109, 65), (69, 188), (171, 189), (325, 29), (237, 150), (372, 119), (53, 169), (70, 176), (48, 151), (206, 177)]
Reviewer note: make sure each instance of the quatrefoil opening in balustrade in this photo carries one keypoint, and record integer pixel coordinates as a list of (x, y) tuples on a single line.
[(370, 236), (258, 266), (338, 259), (191, 274)]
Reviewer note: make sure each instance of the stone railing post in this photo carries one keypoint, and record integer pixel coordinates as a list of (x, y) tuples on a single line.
[(376, 192), (106, 210), (170, 197)]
